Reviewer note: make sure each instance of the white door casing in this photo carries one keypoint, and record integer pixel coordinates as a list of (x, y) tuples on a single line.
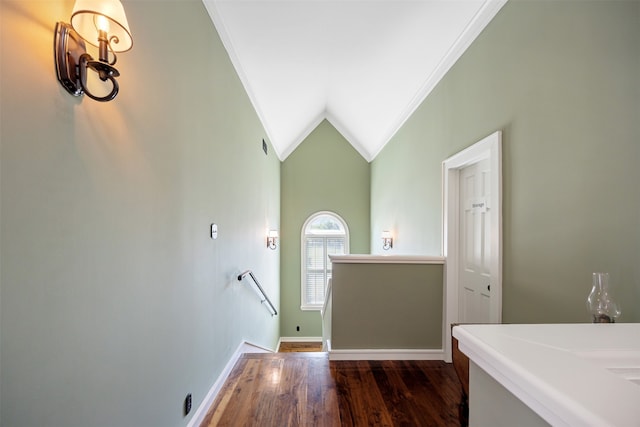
[(488, 149)]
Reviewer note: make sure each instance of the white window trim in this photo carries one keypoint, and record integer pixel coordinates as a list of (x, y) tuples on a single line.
[(317, 307)]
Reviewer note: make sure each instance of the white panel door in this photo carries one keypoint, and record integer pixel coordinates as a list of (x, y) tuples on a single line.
[(474, 292), (472, 235)]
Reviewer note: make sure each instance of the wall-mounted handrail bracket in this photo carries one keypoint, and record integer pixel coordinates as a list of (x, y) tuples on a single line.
[(263, 295)]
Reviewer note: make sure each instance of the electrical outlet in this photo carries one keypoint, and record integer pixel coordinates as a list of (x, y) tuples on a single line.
[(298, 328), (187, 404)]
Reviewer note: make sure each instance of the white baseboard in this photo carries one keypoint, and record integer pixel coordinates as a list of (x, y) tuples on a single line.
[(386, 354), (200, 414), (248, 347)]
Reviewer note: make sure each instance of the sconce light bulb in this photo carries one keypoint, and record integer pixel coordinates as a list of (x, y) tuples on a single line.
[(101, 23)]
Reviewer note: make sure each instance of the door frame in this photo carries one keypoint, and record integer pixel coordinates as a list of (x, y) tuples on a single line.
[(491, 148)]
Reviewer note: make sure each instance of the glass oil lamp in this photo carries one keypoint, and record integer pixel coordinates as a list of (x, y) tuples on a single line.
[(600, 302)]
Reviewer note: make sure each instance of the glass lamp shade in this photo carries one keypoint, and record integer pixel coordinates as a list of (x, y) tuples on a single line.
[(600, 303), (89, 16)]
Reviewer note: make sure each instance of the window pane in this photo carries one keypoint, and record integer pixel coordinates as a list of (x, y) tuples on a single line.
[(314, 287), (314, 253), (315, 269), (335, 246), (325, 223)]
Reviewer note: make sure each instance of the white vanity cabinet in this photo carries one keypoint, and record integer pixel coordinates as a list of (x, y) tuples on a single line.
[(560, 375)]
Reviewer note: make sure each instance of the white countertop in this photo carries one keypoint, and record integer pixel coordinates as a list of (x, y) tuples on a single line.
[(569, 374)]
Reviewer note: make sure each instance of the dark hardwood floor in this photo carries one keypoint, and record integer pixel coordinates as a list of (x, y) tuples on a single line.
[(396, 393), (289, 347), (305, 389)]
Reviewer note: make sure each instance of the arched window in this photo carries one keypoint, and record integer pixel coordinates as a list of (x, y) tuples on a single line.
[(323, 234)]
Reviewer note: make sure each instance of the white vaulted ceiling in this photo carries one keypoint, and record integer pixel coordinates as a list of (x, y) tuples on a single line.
[(364, 65)]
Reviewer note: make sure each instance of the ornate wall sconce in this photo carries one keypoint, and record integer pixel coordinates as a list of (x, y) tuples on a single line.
[(101, 23), (387, 240), (272, 239)]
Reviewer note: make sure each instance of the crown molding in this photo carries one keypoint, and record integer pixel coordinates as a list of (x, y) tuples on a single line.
[(476, 25)]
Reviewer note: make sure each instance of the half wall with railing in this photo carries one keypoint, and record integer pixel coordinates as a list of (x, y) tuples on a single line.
[(384, 307)]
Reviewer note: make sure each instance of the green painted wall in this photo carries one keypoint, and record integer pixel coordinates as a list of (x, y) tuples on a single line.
[(387, 306), (115, 303), (561, 80), (325, 173)]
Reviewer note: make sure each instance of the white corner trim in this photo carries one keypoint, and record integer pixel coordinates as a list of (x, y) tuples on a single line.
[(385, 354), (199, 415), (326, 346)]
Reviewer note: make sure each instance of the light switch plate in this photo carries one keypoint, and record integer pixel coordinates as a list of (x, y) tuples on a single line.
[(214, 231)]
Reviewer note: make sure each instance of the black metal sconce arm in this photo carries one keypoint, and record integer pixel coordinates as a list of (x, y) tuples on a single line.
[(105, 72), (72, 62)]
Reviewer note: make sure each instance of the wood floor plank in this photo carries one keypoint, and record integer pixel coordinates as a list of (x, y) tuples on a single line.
[(451, 388), (322, 398), (405, 405), (305, 389), (287, 346), (360, 400), (424, 379), (232, 394), (224, 396), (288, 408)]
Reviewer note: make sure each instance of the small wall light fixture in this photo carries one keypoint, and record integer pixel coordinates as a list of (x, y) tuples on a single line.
[(272, 239), (101, 23), (387, 240)]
